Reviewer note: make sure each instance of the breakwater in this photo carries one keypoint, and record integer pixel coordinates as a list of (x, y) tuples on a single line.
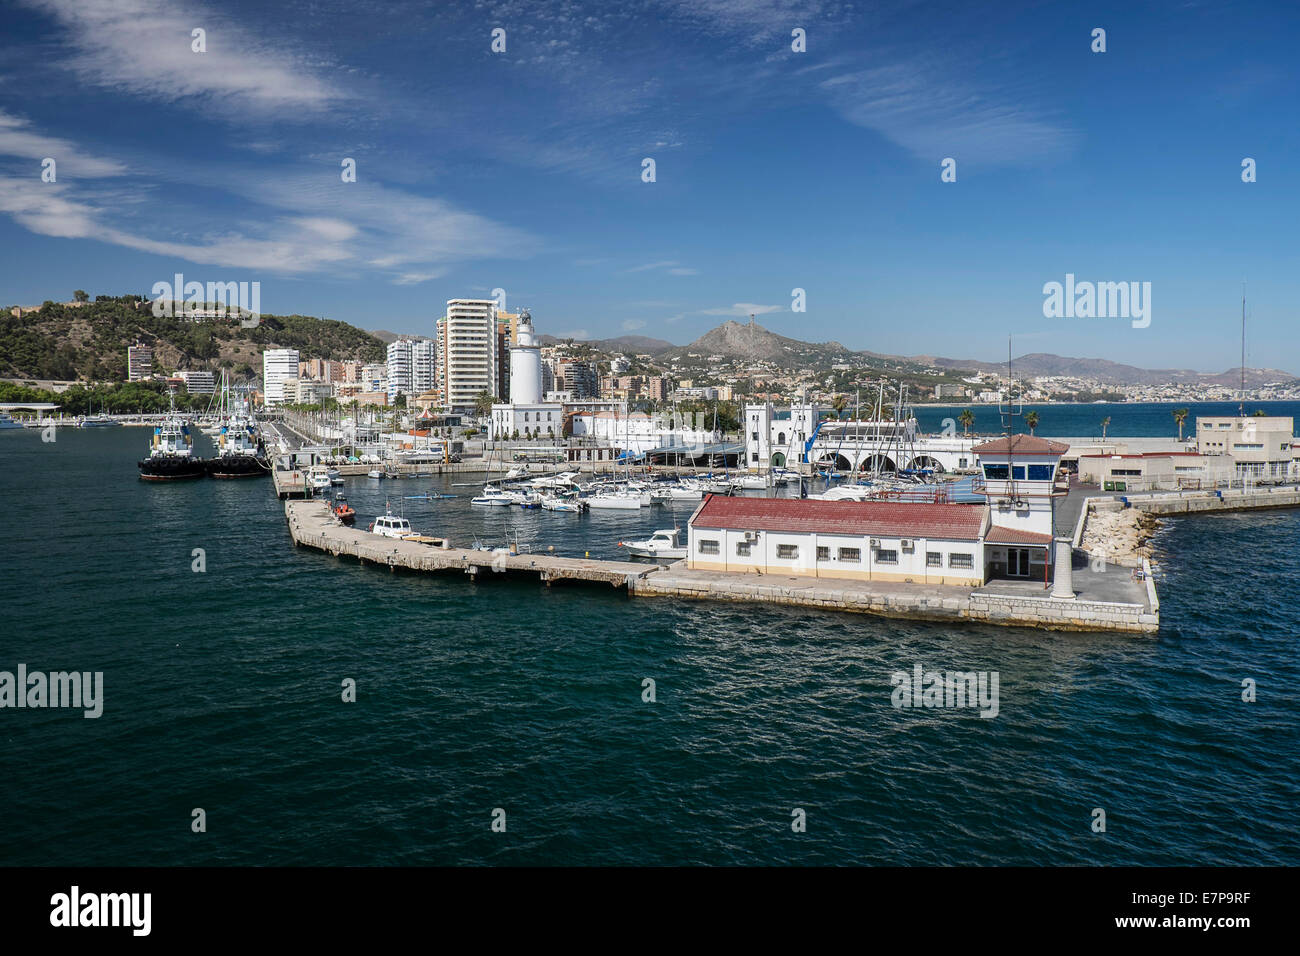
[(1122, 605)]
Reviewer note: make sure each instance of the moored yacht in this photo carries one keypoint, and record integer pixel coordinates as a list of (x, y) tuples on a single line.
[(664, 545)]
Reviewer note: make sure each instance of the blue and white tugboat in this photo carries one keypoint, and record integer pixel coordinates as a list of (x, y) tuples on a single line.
[(171, 453)]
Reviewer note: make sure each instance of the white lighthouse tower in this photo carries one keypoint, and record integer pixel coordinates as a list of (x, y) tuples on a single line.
[(526, 416), (525, 364)]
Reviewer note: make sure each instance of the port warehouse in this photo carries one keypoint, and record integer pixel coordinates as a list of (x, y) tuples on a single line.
[(1010, 535), (870, 541)]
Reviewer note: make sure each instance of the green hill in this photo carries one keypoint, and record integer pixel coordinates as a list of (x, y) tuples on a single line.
[(89, 341)]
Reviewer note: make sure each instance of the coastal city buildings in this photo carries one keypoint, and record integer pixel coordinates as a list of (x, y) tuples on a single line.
[(1260, 446), (139, 363), (198, 382), (278, 366), (399, 368), (468, 351)]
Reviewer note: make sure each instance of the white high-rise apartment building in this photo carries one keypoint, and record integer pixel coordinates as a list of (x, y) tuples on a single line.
[(424, 366), (399, 368), (467, 352), (278, 366)]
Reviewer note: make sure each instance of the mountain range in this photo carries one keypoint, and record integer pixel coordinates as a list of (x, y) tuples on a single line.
[(752, 342)]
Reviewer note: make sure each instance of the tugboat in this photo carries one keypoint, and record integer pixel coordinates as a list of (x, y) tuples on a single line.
[(240, 450), (171, 453), (240, 454)]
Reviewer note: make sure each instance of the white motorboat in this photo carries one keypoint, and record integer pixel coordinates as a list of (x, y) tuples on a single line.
[(677, 491), (493, 496), (661, 546), (374, 473), (556, 503), (391, 526), (844, 493), (750, 482), (318, 478), (611, 501), (561, 480)]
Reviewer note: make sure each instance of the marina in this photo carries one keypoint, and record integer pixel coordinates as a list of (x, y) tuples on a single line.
[(308, 618)]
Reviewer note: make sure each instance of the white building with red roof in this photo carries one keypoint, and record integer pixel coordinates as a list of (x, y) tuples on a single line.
[(1009, 536), (863, 540)]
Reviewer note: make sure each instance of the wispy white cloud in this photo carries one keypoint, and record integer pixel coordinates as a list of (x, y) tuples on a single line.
[(303, 222), (18, 139), (934, 116), (744, 309), (144, 47), (631, 325), (415, 278), (671, 266)]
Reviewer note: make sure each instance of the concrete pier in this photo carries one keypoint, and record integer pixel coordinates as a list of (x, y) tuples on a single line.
[(1006, 603), (1231, 499), (312, 525), (1104, 602)]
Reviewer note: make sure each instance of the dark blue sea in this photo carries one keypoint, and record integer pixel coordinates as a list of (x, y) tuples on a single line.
[(1127, 419), (223, 692)]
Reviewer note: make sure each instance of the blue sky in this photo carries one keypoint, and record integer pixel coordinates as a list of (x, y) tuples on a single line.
[(775, 170)]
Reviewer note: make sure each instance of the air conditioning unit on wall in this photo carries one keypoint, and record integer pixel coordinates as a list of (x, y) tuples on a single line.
[(875, 542), (908, 545)]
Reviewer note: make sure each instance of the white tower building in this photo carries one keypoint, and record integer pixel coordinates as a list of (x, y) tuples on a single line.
[(525, 365), (399, 368), (278, 366)]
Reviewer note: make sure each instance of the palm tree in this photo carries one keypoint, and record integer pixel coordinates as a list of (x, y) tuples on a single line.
[(1180, 416), (1105, 423), (483, 403), (967, 419), (1031, 419), (841, 402)]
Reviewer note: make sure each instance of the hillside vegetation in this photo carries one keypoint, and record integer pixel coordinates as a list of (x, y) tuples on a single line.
[(89, 341)]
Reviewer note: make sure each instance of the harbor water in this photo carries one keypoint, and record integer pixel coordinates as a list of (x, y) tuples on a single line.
[(223, 687)]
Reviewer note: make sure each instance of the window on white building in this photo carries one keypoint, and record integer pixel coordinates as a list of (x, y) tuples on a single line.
[(787, 552), (823, 553), (708, 546), (934, 559), (853, 555), (961, 561), (887, 556)]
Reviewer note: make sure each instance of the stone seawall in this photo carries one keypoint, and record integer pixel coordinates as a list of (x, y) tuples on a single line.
[(1206, 501), (915, 602)]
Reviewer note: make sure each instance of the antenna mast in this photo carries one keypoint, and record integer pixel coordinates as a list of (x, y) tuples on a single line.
[(1241, 396), (1012, 408)]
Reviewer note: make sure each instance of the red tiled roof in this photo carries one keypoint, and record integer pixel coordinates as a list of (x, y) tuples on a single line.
[(1000, 535), (904, 519), (1022, 445)]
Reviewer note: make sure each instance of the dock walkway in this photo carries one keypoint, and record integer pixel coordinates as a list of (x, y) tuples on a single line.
[(312, 525)]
